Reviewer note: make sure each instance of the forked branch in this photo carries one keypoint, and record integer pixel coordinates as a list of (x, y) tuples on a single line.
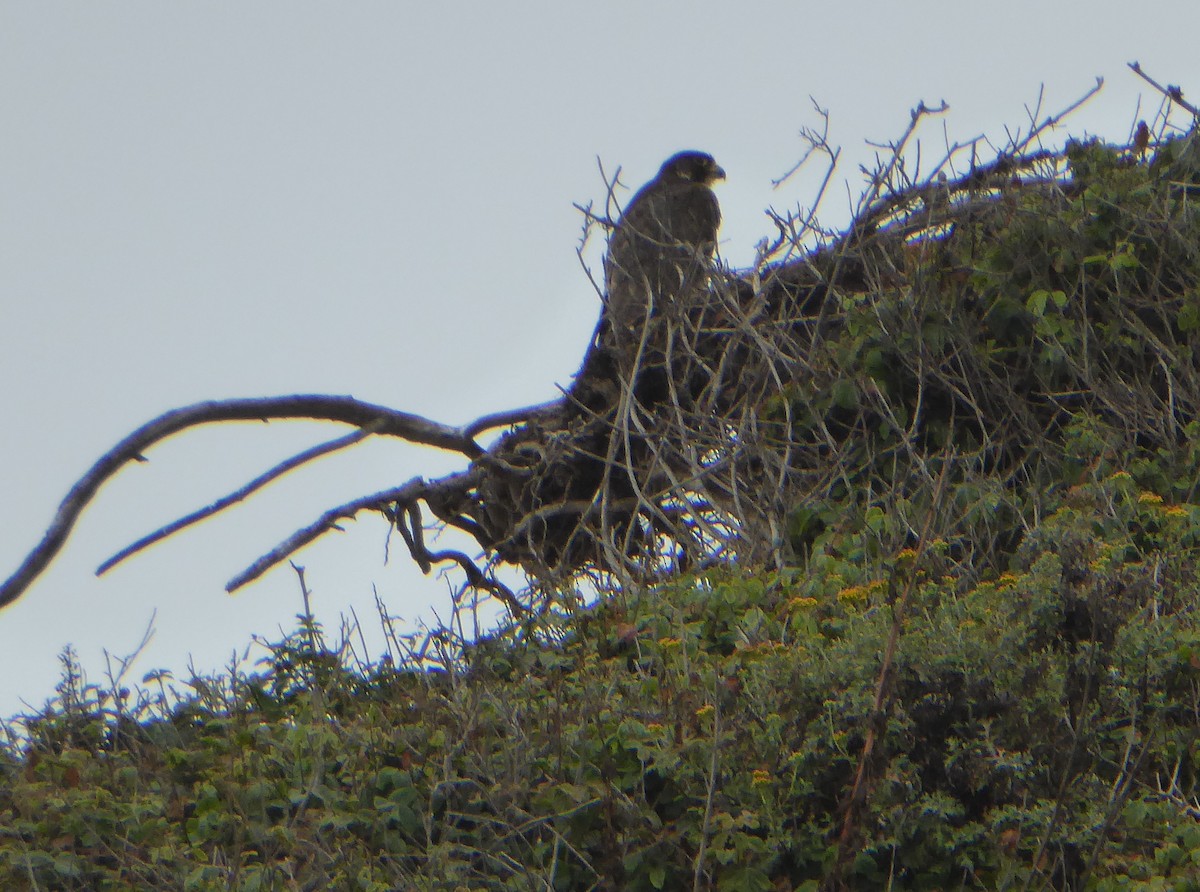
[(369, 418)]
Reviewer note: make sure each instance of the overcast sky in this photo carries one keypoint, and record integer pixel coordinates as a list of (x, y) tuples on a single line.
[(203, 200)]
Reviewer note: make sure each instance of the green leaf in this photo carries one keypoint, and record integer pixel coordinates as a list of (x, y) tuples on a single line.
[(1189, 316), (845, 394), (1124, 258)]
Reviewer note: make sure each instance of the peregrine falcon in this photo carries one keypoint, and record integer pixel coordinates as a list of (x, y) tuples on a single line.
[(660, 251)]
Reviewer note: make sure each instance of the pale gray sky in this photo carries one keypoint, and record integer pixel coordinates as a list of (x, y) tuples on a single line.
[(206, 200)]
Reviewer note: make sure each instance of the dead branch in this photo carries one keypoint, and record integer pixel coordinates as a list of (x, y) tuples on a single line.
[(509, 417), (236, 496), (1037, 129), (344, 409), (406, 496), (1171, 92)]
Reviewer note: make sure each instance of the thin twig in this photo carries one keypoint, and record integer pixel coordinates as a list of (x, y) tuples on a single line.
[(710, 795), (1173, 93)]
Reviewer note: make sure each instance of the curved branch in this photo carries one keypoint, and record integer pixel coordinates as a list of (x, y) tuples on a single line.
[(344, 409), (476, 578), (237, 495), (511, 416)]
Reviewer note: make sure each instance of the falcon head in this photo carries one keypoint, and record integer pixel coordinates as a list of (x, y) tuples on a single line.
[(692, 167)]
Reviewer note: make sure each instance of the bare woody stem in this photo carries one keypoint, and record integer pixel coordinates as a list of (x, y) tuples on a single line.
[(344, 409)]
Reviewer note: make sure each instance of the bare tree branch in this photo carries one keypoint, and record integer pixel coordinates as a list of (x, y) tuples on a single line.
[(510, 417), (379, 501), (400, 505), (1175, 94), (237, 496), (344, 409)]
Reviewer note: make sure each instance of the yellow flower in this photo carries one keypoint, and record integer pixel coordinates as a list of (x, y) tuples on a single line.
[(854, 594), (802, 603), (1150, 498)]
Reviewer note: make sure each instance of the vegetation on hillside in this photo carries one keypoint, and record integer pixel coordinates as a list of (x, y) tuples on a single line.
[(972, 659)]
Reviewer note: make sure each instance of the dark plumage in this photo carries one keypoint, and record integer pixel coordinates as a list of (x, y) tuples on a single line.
[(660, 250)]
